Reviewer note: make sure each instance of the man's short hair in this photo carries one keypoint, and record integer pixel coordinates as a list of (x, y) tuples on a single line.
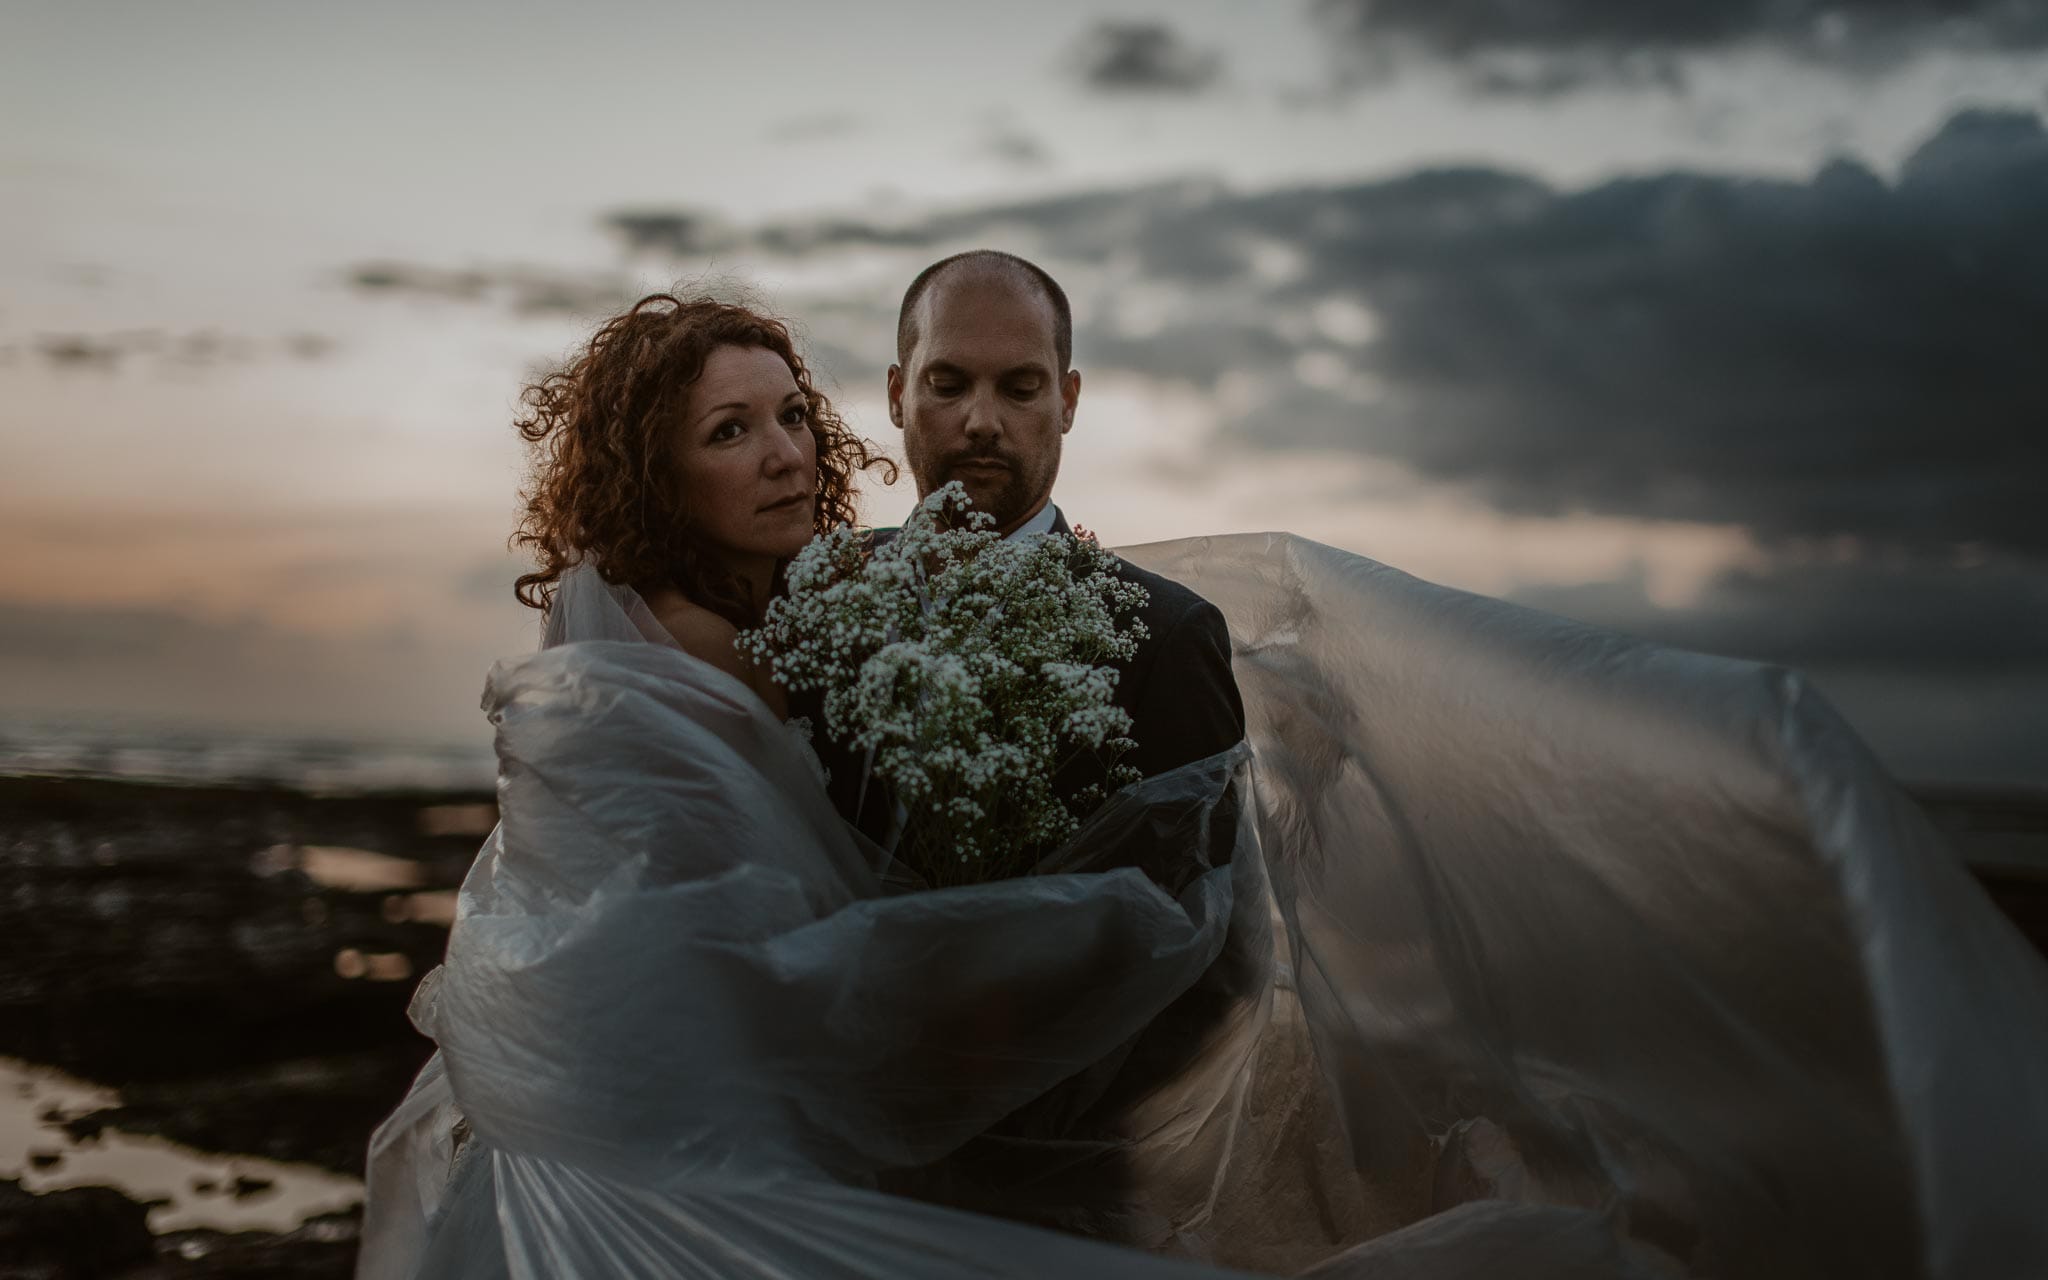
[(997, 260)]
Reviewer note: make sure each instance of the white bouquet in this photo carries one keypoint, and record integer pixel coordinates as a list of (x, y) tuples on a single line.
[(965, 670)]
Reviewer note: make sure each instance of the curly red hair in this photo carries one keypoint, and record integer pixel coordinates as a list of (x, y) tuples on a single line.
[(602, 486)]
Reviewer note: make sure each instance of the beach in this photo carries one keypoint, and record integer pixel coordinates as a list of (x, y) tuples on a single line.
[(203, 1005)]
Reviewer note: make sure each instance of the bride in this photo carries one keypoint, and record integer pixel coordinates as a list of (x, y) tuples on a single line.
[(1538, 951)]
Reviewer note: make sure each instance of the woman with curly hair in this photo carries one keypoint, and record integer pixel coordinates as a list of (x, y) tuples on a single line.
[(687, 454)]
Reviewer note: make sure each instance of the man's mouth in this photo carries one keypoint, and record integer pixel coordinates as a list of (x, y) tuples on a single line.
[(980, 464)]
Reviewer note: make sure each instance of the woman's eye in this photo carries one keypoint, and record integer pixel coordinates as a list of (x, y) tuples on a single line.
[(727, 430), (795, 416)]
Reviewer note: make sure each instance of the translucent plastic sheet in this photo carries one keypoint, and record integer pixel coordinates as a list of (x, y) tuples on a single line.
[(1512, 947)]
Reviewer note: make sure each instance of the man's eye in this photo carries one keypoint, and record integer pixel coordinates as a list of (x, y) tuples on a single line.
[(946, 388), (1023, 390)]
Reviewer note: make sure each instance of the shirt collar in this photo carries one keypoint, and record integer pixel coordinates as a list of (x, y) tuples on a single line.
[(1041, 523)]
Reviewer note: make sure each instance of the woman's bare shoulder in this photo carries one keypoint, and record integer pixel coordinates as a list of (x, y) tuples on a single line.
[(701, 633)]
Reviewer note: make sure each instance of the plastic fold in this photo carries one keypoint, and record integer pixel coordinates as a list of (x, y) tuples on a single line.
[(1503, 946)]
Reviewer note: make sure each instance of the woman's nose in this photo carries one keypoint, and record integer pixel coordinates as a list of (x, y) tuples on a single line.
[(785, 454)]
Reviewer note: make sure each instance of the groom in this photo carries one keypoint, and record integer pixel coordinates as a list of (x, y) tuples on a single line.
[(984, 391)]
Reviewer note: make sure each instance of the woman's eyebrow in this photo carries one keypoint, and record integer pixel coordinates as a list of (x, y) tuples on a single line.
[(743, 404)]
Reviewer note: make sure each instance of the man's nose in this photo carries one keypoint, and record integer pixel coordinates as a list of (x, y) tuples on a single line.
[(984, 417)]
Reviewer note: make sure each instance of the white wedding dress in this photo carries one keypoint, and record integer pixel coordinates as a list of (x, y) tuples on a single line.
[(1506, 948)]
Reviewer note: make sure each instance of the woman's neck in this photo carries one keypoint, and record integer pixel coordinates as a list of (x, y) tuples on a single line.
[(756, 576)]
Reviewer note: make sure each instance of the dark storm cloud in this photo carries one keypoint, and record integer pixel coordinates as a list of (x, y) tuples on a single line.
[(1842, 355), (1836, 356), (1515, 46), (1143, 57)]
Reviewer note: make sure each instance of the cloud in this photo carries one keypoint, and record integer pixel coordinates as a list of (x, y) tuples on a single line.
[(525, 290), (676, 232), (1015, 147), (108, 353), (1837, 356), (1143, 57), (1555, 47), (1840, 356)]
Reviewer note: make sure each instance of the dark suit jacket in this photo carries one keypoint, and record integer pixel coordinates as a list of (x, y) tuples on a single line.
[(1183, 701), (1057, 1161)]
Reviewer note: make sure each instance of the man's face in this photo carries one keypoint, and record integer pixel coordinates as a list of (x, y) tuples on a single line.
[(981, 399)]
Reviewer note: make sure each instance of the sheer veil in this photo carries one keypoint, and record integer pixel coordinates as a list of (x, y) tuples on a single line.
[(1503, 946)]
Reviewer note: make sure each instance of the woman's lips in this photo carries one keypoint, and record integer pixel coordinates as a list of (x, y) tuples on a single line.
[(786, 504)]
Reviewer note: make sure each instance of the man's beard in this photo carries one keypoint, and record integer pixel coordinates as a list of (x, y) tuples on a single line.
[(1005, 494)]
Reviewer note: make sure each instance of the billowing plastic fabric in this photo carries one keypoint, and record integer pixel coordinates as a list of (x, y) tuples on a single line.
[(1505, 947)]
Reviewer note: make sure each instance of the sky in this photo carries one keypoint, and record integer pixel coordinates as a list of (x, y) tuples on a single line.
[(1717, 322)]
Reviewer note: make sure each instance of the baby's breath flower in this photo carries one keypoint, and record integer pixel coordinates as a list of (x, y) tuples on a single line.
[(971, 667)]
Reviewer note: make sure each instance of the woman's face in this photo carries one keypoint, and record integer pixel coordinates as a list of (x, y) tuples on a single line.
[(748, 461)]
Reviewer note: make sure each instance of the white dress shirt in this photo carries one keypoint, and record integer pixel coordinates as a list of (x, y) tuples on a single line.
[(1040, 523)]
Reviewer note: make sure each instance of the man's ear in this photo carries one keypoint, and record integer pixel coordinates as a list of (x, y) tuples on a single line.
[(896, 395), (1070, 396)]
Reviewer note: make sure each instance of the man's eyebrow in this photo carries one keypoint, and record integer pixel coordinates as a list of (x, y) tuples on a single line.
[(1031, 369)]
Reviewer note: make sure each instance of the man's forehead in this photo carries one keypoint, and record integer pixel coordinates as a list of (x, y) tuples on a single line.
[(974, 313)]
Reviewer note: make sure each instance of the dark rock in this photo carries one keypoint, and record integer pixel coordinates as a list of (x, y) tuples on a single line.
[(247, 1188), (85, 1233)]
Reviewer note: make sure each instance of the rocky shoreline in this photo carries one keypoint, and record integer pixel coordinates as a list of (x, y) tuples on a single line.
[(227, 969), (234, 963)]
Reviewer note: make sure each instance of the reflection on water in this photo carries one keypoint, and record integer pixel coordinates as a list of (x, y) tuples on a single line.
[(435, 906), (334, 867), (364, 871), (198, 1189), (458, 819), (377, 966)]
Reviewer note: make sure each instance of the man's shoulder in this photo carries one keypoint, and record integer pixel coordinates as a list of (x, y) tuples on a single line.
[(1167, 603)]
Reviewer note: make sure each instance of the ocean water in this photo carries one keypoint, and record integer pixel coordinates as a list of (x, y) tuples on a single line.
[(200, 756)]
